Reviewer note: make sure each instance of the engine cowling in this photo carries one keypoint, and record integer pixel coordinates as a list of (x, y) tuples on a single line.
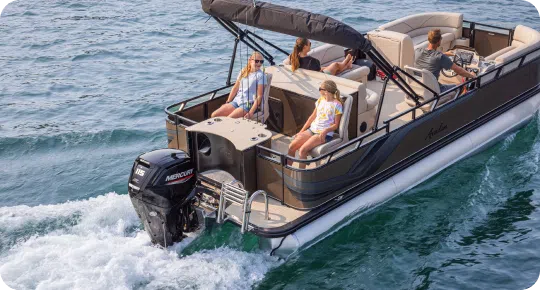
[(162, 190)]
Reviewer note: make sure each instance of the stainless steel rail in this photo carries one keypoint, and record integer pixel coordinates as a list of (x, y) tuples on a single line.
[(247, 209), (239, 196)]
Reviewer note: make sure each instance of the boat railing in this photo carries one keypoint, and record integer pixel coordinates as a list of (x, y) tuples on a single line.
[(482, 80), (478, 82), (283, 162), (177, 108)]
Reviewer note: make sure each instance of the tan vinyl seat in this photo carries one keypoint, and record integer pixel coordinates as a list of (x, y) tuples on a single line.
[(417, 27), (306, 82), (397, 48), (427, 78), (367, 99), (330, 53), (342, 135), (398, 40), (525, 40), (264, 109)]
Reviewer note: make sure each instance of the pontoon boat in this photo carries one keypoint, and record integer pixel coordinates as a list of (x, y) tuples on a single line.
[(395, 132)]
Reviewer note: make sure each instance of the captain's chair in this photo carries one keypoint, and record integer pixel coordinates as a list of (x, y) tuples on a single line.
[(264, 110), (428, 79), (342, 135)]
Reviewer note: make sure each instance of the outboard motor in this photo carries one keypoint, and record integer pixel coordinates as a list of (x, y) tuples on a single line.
[(162, 190)]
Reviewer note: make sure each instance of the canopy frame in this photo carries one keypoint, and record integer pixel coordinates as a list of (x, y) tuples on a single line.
[(307, 23)]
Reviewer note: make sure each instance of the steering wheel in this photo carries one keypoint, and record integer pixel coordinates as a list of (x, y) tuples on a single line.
[(451, 73)]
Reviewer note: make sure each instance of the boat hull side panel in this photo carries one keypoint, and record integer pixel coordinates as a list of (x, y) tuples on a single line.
[(313, 188), (471, 143)]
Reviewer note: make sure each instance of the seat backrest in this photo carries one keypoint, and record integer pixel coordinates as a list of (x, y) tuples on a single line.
[(343, 129), (264, 109), (524, 35), (525, 40), (327, 53), (397, 48), (427, 78), (421, 24)]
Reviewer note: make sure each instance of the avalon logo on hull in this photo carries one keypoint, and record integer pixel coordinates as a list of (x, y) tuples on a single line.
[(433, 132), (180, 177)]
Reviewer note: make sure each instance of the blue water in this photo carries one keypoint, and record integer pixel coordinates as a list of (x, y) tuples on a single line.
[(83, 85)]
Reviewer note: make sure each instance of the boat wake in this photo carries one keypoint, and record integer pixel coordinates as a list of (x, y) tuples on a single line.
[(99, 244)]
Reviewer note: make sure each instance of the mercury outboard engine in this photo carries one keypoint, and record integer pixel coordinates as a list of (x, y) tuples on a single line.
[(162, 190)]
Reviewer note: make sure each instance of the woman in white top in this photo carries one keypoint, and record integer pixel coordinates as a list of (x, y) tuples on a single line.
[(247, 93), (322, 123)]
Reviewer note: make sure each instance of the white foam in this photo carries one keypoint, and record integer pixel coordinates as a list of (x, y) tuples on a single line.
[(101, 252)]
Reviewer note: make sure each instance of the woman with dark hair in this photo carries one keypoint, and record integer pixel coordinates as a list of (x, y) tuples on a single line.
[(300, 59)]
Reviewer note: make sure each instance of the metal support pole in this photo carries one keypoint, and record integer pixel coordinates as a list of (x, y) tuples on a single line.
[(231, 66), (243, 35), (269, 43), (379, 109), (390, 74)]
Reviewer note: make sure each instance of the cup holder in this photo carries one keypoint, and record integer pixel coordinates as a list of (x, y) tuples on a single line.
[(254, 139), (209, 123), (217, 120), (262, 135)]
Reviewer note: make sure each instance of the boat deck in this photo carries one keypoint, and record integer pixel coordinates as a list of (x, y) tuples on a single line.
[(278, 214), (394, 103)]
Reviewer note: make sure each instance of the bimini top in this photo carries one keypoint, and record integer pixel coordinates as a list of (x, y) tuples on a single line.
[(295, 22)]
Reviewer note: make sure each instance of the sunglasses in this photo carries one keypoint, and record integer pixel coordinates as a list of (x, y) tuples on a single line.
[(261, 61), (322, 90)]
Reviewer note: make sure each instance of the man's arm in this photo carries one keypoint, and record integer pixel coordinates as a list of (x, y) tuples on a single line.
[(462, 72)]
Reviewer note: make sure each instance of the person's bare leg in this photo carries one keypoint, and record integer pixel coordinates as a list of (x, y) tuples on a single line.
[(237, 113), (223, 111), (339, 67), (313, 142), (298, 141)]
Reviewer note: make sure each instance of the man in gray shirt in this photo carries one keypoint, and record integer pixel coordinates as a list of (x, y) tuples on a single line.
[(434, 61)]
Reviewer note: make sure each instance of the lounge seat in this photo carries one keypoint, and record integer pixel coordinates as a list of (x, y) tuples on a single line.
[(367, 99), (398, 40), (281, 142), (397, 48), (417, 27), (330, 53), (264, 109), (306, 82), (342, 135), (525, 39)]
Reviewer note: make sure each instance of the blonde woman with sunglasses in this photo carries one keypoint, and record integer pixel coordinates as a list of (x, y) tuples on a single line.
[(247, 93), (322, 123)]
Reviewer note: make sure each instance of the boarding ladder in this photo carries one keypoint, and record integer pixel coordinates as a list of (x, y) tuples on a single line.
[(239, 196)]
